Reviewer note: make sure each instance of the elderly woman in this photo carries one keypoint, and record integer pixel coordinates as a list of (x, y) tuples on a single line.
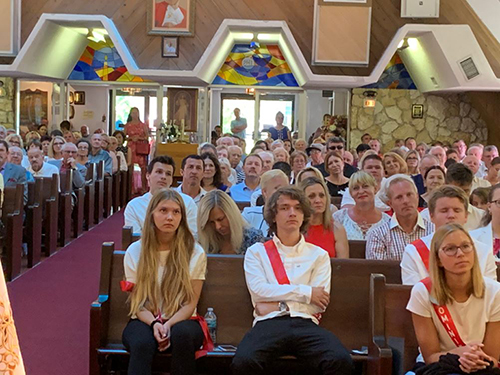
[(335, 181), (55, 148), (221, 228), (323, 231), (82, 155), (225, 169), (300, 145), (434, 178), (412, 159), (394, 164), (15, 140), (280, 154), (361, 217), (298, 161)]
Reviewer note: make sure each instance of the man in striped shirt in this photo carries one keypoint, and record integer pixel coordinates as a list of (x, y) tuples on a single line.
[(388, 241)]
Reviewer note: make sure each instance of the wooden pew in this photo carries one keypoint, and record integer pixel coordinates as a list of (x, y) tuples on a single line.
[(99, 193), (65, 207), (357, 249), (33, 227), (78, 212), (12, 218), (128, 236), (225, 290), (117, 178), (242, 205), (89, 204), (123, 188), (50, 195), (130, 185), (392, 327), (108, 196)]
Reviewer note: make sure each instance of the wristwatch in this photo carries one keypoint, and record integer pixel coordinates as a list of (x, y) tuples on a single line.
[(283, 306)]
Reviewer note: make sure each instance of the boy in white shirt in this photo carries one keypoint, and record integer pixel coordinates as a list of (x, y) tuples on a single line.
[(447, 205), (159, 176), (289, 283)]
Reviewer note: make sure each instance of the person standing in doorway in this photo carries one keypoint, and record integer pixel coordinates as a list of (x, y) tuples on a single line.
[(138, 144), (279, 131), (239, 124)]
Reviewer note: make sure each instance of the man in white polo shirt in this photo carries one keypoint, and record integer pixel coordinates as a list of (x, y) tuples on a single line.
[(38, 168), (447, 205), (289, 283), (159, 176)]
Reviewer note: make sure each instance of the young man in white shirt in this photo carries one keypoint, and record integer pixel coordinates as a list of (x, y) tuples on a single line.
[(288, 304), (159, 176), (447, 205), (192, 173)]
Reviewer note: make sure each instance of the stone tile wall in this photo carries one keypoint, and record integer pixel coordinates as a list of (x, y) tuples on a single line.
[(7, 103), (446, 118)]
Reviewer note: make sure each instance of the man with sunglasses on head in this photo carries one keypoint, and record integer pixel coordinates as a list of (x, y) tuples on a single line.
[(447, 205)]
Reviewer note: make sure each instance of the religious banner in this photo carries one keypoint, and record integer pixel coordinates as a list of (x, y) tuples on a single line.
[(171, 17)]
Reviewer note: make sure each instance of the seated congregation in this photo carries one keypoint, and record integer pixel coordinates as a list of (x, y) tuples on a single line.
[(270, 234)]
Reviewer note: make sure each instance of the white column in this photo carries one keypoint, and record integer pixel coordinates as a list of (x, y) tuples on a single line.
[(303, 114)]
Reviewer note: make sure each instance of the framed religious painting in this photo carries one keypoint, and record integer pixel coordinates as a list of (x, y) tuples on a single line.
[(183, 106), (171, 17)]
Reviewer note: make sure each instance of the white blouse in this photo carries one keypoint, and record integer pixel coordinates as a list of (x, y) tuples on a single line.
[(354, 231)]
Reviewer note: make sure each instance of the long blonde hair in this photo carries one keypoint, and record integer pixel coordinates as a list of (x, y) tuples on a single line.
[(51, 145), (209, 238), (440, 289), (175, 289), (327, 215)]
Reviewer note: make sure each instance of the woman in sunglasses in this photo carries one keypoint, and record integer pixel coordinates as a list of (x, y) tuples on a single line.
[(456, 311)]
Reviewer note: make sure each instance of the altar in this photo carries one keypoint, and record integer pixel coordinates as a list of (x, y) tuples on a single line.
[(176, 151)]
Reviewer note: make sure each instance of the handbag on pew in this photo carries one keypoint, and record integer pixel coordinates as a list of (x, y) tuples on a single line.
[(142, 148)]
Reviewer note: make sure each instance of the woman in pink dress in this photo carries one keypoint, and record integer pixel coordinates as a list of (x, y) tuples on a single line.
[(138, 141)]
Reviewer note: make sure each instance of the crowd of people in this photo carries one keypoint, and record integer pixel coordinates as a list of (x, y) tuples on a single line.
[(289, 206)]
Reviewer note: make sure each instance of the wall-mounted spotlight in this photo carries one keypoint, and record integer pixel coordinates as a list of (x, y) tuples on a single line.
[(370, 101)]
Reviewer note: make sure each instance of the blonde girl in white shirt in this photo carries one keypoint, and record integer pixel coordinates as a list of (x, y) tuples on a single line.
[(472, 303), (165, 271)]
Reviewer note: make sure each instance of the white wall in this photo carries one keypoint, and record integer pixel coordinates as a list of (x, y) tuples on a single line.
[(96, 106), (489, 12), (42, 86), (317, 106)]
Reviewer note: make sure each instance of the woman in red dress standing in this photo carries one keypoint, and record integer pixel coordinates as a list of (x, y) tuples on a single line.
[(138, 144)]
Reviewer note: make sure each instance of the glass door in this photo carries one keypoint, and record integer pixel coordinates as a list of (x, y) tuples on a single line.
[(270, 105), (246, 105)]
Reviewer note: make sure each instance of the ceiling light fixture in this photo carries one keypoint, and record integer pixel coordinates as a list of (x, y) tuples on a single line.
[(96, 36)]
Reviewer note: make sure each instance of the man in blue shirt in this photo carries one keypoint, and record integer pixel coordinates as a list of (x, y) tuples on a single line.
[(252, 166), (239, 124), (97, 154)]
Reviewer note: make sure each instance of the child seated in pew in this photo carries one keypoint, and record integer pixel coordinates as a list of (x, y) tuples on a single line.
[(221, 229), (165, 271), (447, 204), (456, 311)]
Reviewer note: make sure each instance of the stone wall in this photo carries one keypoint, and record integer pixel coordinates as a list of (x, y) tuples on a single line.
[(446, 118), (7, 103)]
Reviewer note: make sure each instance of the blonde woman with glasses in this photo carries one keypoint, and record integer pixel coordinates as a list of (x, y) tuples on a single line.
[(456, 311), (221, 228), (412, 159), (165, 271), (55, 148)]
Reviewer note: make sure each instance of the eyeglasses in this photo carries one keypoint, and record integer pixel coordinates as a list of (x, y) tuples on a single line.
[(411, 159), (452, 250), (58, 143), (83, 147), (497, 203), (333, 148)]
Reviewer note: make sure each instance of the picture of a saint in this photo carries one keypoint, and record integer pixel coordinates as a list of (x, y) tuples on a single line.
[(182, 109), (170, 14)]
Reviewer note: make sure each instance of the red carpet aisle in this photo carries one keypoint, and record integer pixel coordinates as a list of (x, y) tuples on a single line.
[(51, 303)]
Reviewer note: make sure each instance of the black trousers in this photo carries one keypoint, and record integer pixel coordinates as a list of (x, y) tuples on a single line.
[(302, 338), (186, 338)]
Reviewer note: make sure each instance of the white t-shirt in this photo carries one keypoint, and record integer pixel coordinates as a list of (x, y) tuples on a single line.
[(413, 269), (136, 209), (197, 265), (470, 317)]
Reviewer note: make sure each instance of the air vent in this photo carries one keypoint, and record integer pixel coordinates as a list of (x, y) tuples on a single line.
[(469, 68)]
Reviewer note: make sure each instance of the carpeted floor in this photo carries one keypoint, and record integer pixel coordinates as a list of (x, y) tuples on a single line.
[(51, 303)]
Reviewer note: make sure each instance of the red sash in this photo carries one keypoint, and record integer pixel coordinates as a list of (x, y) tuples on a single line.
[(276, 263), (445, 317), (423, 251), (208, 344), (278, 267)]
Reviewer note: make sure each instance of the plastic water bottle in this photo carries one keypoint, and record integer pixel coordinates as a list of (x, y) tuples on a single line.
[(211, 320)]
